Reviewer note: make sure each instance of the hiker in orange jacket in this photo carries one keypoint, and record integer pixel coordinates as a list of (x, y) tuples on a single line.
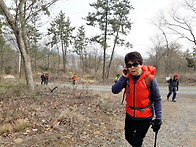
[(74, 79), (142, 100)]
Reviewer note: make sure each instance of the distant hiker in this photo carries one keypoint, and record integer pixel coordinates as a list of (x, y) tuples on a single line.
[(74, 79), (173, 87), (46, 79), (142, 101), (117, 78), (42, 78)]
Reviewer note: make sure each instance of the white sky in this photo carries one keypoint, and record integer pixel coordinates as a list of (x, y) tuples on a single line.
[(141, 16)]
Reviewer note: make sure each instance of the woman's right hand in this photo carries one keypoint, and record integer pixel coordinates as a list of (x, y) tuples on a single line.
[(125, 72)]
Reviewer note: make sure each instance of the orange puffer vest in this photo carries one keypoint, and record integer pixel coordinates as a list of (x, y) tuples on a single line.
[(138, 103)]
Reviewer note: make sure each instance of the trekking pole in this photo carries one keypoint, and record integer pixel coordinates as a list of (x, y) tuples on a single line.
[(155, 140)]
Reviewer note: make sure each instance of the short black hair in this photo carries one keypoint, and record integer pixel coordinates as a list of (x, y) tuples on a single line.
[(134, 57)]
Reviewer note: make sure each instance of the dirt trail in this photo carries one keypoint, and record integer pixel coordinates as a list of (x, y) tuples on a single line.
[(186, 90)]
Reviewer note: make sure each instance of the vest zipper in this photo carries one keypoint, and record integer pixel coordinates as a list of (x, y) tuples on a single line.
[(134, 99)]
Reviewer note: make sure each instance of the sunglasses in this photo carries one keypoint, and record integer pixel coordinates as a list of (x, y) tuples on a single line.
[(129, 65)]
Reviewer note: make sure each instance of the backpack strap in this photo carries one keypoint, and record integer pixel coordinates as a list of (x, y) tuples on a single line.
[(127, 83), (148, 80), (123, 96)]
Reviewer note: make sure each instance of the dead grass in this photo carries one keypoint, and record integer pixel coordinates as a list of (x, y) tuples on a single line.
[(71, 116)]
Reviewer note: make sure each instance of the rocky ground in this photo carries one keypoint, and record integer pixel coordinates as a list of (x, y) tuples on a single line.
[(82, 118)]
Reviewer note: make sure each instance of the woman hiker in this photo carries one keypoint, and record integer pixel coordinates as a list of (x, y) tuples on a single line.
[(142, 103)]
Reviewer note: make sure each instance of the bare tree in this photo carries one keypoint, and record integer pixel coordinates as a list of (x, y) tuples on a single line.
[(160, 26), (23, 12), (181, 20), (156, 53)]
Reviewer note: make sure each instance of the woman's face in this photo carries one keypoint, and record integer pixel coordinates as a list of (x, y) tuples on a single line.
[(134, 68)]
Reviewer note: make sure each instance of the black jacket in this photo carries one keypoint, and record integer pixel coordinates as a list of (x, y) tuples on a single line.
[(173, 83)]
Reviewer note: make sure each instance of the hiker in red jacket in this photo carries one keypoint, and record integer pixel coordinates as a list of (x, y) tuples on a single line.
[(142, 97), (173, 87), (46, 79)]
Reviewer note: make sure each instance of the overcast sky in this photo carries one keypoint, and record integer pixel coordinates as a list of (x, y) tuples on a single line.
[(141, 16)]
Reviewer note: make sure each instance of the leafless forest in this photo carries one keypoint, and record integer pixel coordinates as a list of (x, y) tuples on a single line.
[(63, 51)]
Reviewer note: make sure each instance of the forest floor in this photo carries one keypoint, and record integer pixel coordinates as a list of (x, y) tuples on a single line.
[(71, 117)]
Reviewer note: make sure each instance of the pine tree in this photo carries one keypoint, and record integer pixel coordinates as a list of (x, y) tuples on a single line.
[(111, 17)]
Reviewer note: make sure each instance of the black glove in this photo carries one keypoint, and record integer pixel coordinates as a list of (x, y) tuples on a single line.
[(156, 124)]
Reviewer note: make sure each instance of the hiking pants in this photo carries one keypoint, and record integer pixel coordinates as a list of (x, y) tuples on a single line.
[(135, 130), (42, 81), (74, 82), (46, 82), (172, 89)]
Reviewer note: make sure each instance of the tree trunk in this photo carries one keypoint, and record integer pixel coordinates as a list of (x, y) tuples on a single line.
[(105, 43), (48, 65), (112, 55), (27, 62), (2, 52), (63, 52), (65, 59), (21, 45), (59, 59), (167, 54)]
